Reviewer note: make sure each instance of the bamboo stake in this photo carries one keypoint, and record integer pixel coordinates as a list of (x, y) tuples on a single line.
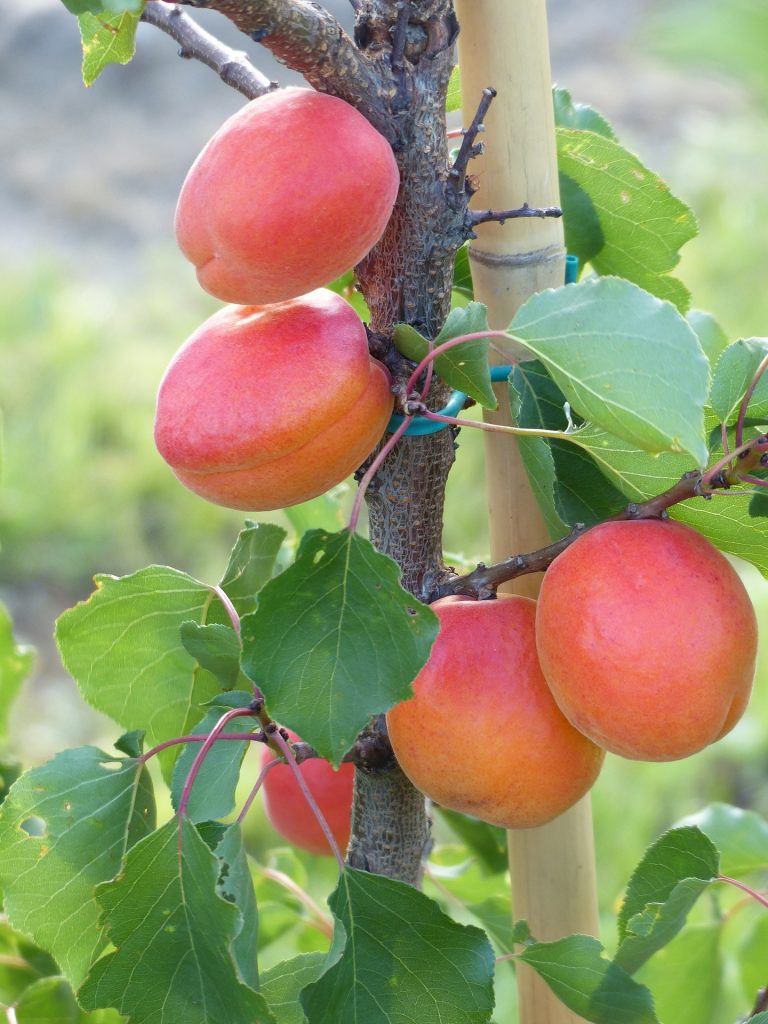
[(505, 45)]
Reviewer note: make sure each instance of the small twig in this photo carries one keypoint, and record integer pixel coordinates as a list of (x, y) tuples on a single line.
[(761, 1002), (500, 216), (232, 66), (319, 920), (400, 35), (249, 737), (458, 173)]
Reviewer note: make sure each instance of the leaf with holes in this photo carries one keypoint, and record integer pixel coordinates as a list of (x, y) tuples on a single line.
[(335, 640), (397, 956), (65, 827), (173, 935)]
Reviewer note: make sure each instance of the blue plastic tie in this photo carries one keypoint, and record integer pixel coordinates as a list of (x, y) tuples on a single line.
[(423, 425)]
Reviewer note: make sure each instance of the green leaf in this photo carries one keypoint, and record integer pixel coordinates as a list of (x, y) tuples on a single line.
[(711, 335), (453, 96), (760, 1018), (686, 976), (642, 223), (462, 273), (465, 368), (282, 985), (758, 505), (581, 223), (578, 115), (64, 827), (589, 984), (131, 743), (487, 842), (733, 375), (104, 7), (173, 936), (16, 663), (403, 959), (213, 792), (216, 648), (124, 649), (335, 640), (48, 1001), (674, 872), (252, 563), (741, 837), (751, 957), (626, 361), (235, 885), (10, 770), (107, 39)]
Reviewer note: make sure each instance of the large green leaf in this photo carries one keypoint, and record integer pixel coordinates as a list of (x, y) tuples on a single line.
[(64, 827), (686, 976), (464, 367), (589, 984), (751, 957), (213, 792), (107, 39), (173, 935), (579, 115), (674, 872), (643, 225), (282, 985), (252, 563), (403, 960), (733, 375), (335, 640), (740, 836), (16, 662), (235, 885), (626, 361)]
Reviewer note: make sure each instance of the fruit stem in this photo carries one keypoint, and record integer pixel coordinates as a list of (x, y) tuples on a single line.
[(444, 347), (745, 888), (287, 753), (747, 397), (561, 435), (201, 755), (255, 789), (318, 919), (373, 469), (230, 609), (252, 737)]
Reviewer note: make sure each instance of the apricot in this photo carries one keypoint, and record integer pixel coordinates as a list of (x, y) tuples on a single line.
[(267, 406), (290, 814), (647, 639), (292, 191), (482, 734)]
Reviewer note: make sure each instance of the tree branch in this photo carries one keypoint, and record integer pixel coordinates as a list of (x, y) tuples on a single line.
[(483, 216), (308, 39), (469, 147), (232, 66)]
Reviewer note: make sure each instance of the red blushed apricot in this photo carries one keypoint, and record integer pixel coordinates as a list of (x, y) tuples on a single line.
[(290, 814), (647, 639), (265, 407), (482, 734), (290, 192)]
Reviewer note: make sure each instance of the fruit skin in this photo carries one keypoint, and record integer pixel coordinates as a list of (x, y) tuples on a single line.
[(647, 638), (482, 734), (293, 190), (265, 407), (288, 811)]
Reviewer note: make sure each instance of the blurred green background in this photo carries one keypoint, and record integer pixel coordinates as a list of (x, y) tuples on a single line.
[(87, 328)]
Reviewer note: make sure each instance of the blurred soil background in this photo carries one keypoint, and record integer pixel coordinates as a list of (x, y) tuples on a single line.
[(95, 299)]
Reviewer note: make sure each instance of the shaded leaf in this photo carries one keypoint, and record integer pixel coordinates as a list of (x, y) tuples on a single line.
[(403, 959), (64, 827), (711, 335), (462, 273), (752, 959), (216, 648), (48, 1001), (741, 837), (335, 640), (487, 842), (674, 872), (235, 885), (213, 791), (464, 367), (173, 937), (251, 563), (642, 223), (584, 236), (589, 984), (107, 39), (626, 362), (733, 374), (282, 985)]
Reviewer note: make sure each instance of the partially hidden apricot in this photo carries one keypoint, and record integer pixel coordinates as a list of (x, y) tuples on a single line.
[(290, 814), (482, 734), (647, 639), (291, 191), (264, 407)]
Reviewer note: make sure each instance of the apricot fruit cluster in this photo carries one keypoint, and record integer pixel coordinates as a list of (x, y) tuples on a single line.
[(642, 643), (275, 400)]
